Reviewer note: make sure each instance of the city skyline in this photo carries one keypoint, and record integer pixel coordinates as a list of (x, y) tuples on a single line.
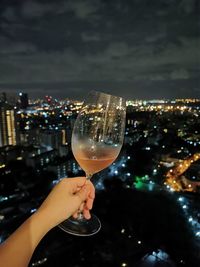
[(22, 100), (132, 49), (154, 183), (147, 197)]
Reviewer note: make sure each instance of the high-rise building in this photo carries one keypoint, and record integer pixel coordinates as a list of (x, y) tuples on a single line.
[(3, 97), (23, 100), (9, 98), (53, 138), (8, 125)]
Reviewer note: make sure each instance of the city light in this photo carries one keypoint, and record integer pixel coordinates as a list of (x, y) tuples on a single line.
[(33, 210), (160, 156), (198, 234), (190, 219)]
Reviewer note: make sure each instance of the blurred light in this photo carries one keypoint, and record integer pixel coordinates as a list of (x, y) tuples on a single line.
[(33, 210), (2, 217), (139, 242), (124, 264), (190, 219), (123, 231), (116, 172), (198, 234), (1, 239), (2, 166), (39, 262), (128, 157), (184, 207)]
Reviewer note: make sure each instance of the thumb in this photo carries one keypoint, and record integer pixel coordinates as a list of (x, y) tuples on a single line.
[(82, 194)]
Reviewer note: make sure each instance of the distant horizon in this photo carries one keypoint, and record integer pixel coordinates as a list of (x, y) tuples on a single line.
[(16, 94), (128, 91)]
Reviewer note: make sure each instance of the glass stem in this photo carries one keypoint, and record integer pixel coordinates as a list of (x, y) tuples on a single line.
[(80, 216), (80, 213), (88, 176)]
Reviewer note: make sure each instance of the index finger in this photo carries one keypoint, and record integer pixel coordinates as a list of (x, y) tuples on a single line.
[(91, 196), (92, 189)]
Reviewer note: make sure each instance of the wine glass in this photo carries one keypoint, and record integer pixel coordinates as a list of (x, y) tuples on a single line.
[(97, 139)]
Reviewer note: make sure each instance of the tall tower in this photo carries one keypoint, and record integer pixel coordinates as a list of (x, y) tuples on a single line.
[(8, 125), (3, 98), (23, 100)]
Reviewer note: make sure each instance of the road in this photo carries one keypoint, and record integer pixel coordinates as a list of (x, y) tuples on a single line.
[(175, 178)]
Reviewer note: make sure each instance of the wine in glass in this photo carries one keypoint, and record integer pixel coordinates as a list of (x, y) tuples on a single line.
[(97, 139)]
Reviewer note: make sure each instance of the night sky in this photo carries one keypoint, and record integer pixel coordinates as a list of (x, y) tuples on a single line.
[(133, 48)]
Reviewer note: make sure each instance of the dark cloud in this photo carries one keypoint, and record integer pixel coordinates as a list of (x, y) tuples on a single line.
[(138, 48)]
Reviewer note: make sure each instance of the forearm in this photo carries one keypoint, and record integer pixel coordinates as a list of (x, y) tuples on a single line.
[(17, 250), (65, 200)]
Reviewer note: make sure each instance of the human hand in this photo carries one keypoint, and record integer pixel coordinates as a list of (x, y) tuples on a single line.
[(68, 197)]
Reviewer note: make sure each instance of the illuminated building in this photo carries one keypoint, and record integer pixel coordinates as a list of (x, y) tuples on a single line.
[(53, 138), (64, 140), (60, 169), (23, 100), (3, 97), (8, 126), (40, 160)]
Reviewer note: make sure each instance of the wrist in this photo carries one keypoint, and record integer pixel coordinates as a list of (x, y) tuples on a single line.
[(40, 219)]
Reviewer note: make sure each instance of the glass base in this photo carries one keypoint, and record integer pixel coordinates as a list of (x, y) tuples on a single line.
[(81, 227)]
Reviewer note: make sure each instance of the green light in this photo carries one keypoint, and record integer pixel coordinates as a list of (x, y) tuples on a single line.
[(140, 181), (138, 184)]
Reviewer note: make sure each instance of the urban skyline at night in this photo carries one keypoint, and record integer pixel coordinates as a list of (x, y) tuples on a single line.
[(52, 54), (160, 158)]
